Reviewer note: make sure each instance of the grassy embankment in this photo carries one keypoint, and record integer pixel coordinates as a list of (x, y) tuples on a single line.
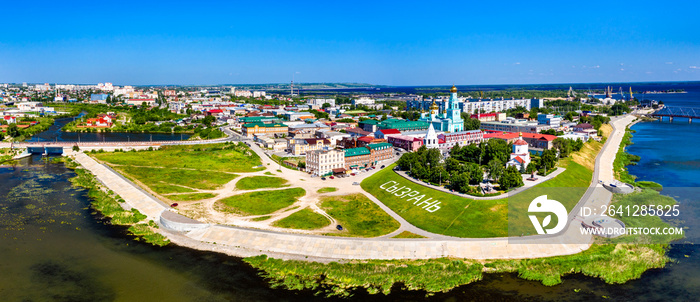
[(624, 159), (326, 190), (612, 263), (182, 173), (305, 219), (260, 202), (259, 182), (407, 234), (108, 203), (359, 216)]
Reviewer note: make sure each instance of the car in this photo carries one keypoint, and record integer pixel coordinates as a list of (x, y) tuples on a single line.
[(397, 153), (173, 205), (352, 174), (355, 183), (332, 177), (323, 178), (339, 227), (382, 167)]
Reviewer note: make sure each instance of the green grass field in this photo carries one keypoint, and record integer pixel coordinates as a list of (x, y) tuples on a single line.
[(305, 219), (458, 216), (259, 203), (190, 197), (214, 157), (358, 215), (462, 217), (407, 234), (326, 190), (161, 180), (567, 188), (259, 182)]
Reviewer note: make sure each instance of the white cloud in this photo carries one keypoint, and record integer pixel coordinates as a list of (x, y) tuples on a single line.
[(622, 69), (669, 63), (693, 67), (516, 63), (648, 72), (597, 66)]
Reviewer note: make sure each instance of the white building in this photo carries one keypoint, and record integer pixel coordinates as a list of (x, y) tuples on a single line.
[(431, 138), (105, 86), (320, 102), (243, 93), (520, 157), (29, 106), (322, 162), (124, 90), (363, 101), (258, 94)]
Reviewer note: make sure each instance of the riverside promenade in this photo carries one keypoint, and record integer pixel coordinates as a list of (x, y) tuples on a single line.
[(247, 242)]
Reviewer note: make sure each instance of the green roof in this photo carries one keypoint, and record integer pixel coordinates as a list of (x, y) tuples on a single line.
[(403, 125), (253, 119), (356, 151), (261, 124), (370, 122), (380, 146)]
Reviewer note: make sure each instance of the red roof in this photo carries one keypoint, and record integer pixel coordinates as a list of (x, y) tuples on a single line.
[(483, 115), (216, 111), (547, 137), (518, 159), (520, 142), (390, 131), (366, 139), (8, 117)]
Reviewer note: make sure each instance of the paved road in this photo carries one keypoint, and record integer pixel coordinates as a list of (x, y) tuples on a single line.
[(245, 242)]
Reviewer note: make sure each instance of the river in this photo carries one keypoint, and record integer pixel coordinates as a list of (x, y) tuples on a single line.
[(54, 134)]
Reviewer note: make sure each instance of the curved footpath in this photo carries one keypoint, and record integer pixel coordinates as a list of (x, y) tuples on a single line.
[(248, 242)]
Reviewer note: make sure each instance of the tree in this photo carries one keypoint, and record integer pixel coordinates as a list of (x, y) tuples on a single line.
[(470, 123), (208, 120), (495, 169), (548, 159), (564, 146), (326, 105), (475, 173), (496, 149), (511, 178), (13, 131)]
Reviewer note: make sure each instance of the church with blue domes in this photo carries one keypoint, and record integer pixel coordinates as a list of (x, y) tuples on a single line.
[(450, 120)]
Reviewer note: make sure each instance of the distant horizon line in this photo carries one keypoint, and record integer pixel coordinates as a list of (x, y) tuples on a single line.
[(356, 83)]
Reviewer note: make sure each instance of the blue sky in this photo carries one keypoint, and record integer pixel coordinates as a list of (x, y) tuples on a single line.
[(388, 43)]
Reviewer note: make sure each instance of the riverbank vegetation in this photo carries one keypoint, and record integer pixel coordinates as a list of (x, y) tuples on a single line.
[(108, 204), (359, 216), (304, 219), (613, 263), (623, 159), (25, 128), (260, 202)]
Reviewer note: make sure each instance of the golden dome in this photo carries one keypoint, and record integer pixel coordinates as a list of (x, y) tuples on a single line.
[(453, 89), (434, 106)]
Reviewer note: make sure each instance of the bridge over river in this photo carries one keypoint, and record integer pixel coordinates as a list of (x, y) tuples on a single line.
[(677, 112)]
